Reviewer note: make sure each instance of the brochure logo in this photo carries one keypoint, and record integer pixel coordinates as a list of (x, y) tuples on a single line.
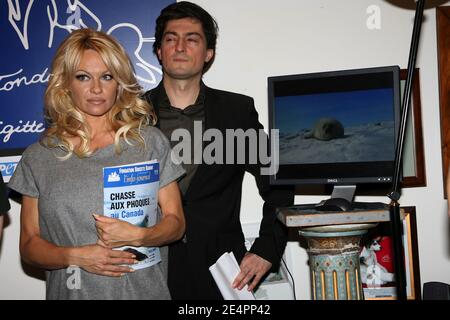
[(113, 177)]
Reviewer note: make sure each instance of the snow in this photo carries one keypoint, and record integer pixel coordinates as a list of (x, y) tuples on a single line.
[(362, 143)]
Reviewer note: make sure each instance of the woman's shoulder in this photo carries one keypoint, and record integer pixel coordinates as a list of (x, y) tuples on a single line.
[(152, 134), (40, 152), (33, 149), (155, 141)]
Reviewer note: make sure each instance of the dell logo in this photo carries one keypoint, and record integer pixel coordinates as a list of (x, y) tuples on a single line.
[(332, 180)]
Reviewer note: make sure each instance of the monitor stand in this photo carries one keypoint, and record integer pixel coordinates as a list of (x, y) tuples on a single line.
[(341, 199), (344, 192)]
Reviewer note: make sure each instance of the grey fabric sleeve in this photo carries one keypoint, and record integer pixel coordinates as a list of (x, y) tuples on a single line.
[(23, 180), (169, 171)]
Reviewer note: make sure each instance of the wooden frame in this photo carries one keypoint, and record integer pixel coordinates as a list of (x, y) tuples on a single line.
[(443, 42), (382, 234), (413, 161)]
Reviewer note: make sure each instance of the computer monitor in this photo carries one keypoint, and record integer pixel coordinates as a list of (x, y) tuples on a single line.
[(337, 127)]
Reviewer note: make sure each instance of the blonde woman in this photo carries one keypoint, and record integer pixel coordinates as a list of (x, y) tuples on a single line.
[(96, 120)]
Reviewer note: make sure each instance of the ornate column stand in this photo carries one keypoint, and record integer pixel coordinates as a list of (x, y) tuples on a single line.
[(334, 260)]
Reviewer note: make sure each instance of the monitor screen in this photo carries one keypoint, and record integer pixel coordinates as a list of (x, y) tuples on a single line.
[(336, 127)]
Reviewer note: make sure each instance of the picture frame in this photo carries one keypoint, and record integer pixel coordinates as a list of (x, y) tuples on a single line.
[(376, 284), (443, 51), (413, 161)]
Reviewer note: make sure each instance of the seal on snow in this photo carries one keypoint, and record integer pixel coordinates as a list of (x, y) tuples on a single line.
[(326, 129)]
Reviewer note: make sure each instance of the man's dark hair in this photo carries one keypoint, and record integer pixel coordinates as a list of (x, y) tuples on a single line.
[(186, 9)]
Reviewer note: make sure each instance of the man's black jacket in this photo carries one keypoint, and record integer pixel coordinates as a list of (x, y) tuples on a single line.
[(212, 204)]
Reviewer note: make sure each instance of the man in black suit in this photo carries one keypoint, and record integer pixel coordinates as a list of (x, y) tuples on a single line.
[(4, 203), (185, 46)]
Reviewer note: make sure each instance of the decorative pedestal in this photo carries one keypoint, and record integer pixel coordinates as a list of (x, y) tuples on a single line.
[(334, 260)]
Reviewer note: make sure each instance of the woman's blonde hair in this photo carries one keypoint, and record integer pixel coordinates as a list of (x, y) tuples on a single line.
[(65, 120)]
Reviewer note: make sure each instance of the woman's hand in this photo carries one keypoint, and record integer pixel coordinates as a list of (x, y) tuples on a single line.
[(117, 233), (114, 233), (102, 261), (93, 258)]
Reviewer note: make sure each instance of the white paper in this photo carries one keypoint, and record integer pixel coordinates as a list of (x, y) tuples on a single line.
[(224, 271)]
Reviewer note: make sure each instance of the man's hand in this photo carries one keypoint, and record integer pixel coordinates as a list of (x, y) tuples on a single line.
[(253, 268)]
